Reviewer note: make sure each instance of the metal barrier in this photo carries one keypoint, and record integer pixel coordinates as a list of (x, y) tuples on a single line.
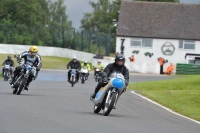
[(187, 69)]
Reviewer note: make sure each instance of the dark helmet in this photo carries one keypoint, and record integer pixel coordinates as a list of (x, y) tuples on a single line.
[(119, 57), (9, 57)]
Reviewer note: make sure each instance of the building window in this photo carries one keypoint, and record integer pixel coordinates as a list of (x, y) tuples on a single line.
[(191, 61), (186, 44), (141, 42)]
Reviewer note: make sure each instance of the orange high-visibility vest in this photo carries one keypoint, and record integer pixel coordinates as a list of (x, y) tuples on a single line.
[(161, 61), (169, 69), (132, 59)]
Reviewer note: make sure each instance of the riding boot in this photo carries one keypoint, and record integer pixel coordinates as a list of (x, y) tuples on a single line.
[(3, 72), (68, 77), (26, 87), (95, 92), (77, 78), (12, 77)]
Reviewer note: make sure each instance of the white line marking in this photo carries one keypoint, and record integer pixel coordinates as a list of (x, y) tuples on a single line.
[(165, 108)]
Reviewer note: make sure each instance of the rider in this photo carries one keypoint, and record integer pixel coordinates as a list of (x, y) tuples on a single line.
[(8, 61), (119, 66), (74, 64), (85, 64), (31, 58), (99, 65)]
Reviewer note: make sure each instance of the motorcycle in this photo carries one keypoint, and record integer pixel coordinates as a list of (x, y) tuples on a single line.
[(97, 74), (107, 97), (83, 74), (7, 72), (73, 77), (21, 80)]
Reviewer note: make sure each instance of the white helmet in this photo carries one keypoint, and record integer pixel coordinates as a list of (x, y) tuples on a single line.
[(74, 58), (85, 62), (99, 61)]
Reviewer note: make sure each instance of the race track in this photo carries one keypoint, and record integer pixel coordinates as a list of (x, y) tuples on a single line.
[(52, 106)]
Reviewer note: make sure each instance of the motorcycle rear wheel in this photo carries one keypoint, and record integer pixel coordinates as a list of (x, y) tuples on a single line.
[(6, 76), (14, 90), (97, 109)]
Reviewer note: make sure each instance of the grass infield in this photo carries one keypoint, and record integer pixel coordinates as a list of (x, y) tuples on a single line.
[(181, 95), (48, 62)]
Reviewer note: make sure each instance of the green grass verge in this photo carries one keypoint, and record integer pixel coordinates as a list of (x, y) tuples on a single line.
[(48, 62), (182, 95)]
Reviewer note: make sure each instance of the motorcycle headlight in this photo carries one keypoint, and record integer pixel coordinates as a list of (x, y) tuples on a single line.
[(118, 83)]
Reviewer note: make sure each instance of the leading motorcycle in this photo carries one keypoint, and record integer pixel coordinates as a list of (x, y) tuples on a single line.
[(21, 80), (107, 97)]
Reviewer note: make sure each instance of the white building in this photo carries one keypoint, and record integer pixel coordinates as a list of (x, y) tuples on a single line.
[(167, 30)]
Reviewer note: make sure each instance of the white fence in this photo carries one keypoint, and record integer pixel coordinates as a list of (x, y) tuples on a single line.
[(47, 51), (140, 67)]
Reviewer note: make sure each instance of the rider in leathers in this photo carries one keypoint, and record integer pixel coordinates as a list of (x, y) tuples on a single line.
[(31, 58), (74, 64), (10, 62), (118, 65)]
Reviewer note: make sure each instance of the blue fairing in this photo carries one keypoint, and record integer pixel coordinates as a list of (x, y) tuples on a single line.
[(98, 94), (118, 83)]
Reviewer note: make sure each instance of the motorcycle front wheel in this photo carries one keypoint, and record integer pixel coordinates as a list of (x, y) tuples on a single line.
[(6, 75), (109, 106), (72, 81), (21, 86), (83, 79)]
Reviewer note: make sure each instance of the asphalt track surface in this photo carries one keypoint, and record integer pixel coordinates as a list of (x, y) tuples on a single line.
[(52, 106)]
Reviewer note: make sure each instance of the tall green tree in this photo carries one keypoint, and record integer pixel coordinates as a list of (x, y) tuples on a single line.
[(58, 21), (101, 19), (28, 12), (33, 22)]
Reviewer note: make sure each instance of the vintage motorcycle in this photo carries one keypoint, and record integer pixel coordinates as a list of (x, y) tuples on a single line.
[(97, 74), (21, 80), (7, 72), (73, 77), (107, 97), (83, 74)]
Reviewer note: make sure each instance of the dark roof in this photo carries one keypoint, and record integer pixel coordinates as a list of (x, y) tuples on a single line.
[(159, 20), (193, 54)]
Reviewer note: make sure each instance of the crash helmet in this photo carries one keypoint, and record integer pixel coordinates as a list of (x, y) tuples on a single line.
[(33, 50), (120, 58), (74, 58), (9, 57), (85, 63)]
